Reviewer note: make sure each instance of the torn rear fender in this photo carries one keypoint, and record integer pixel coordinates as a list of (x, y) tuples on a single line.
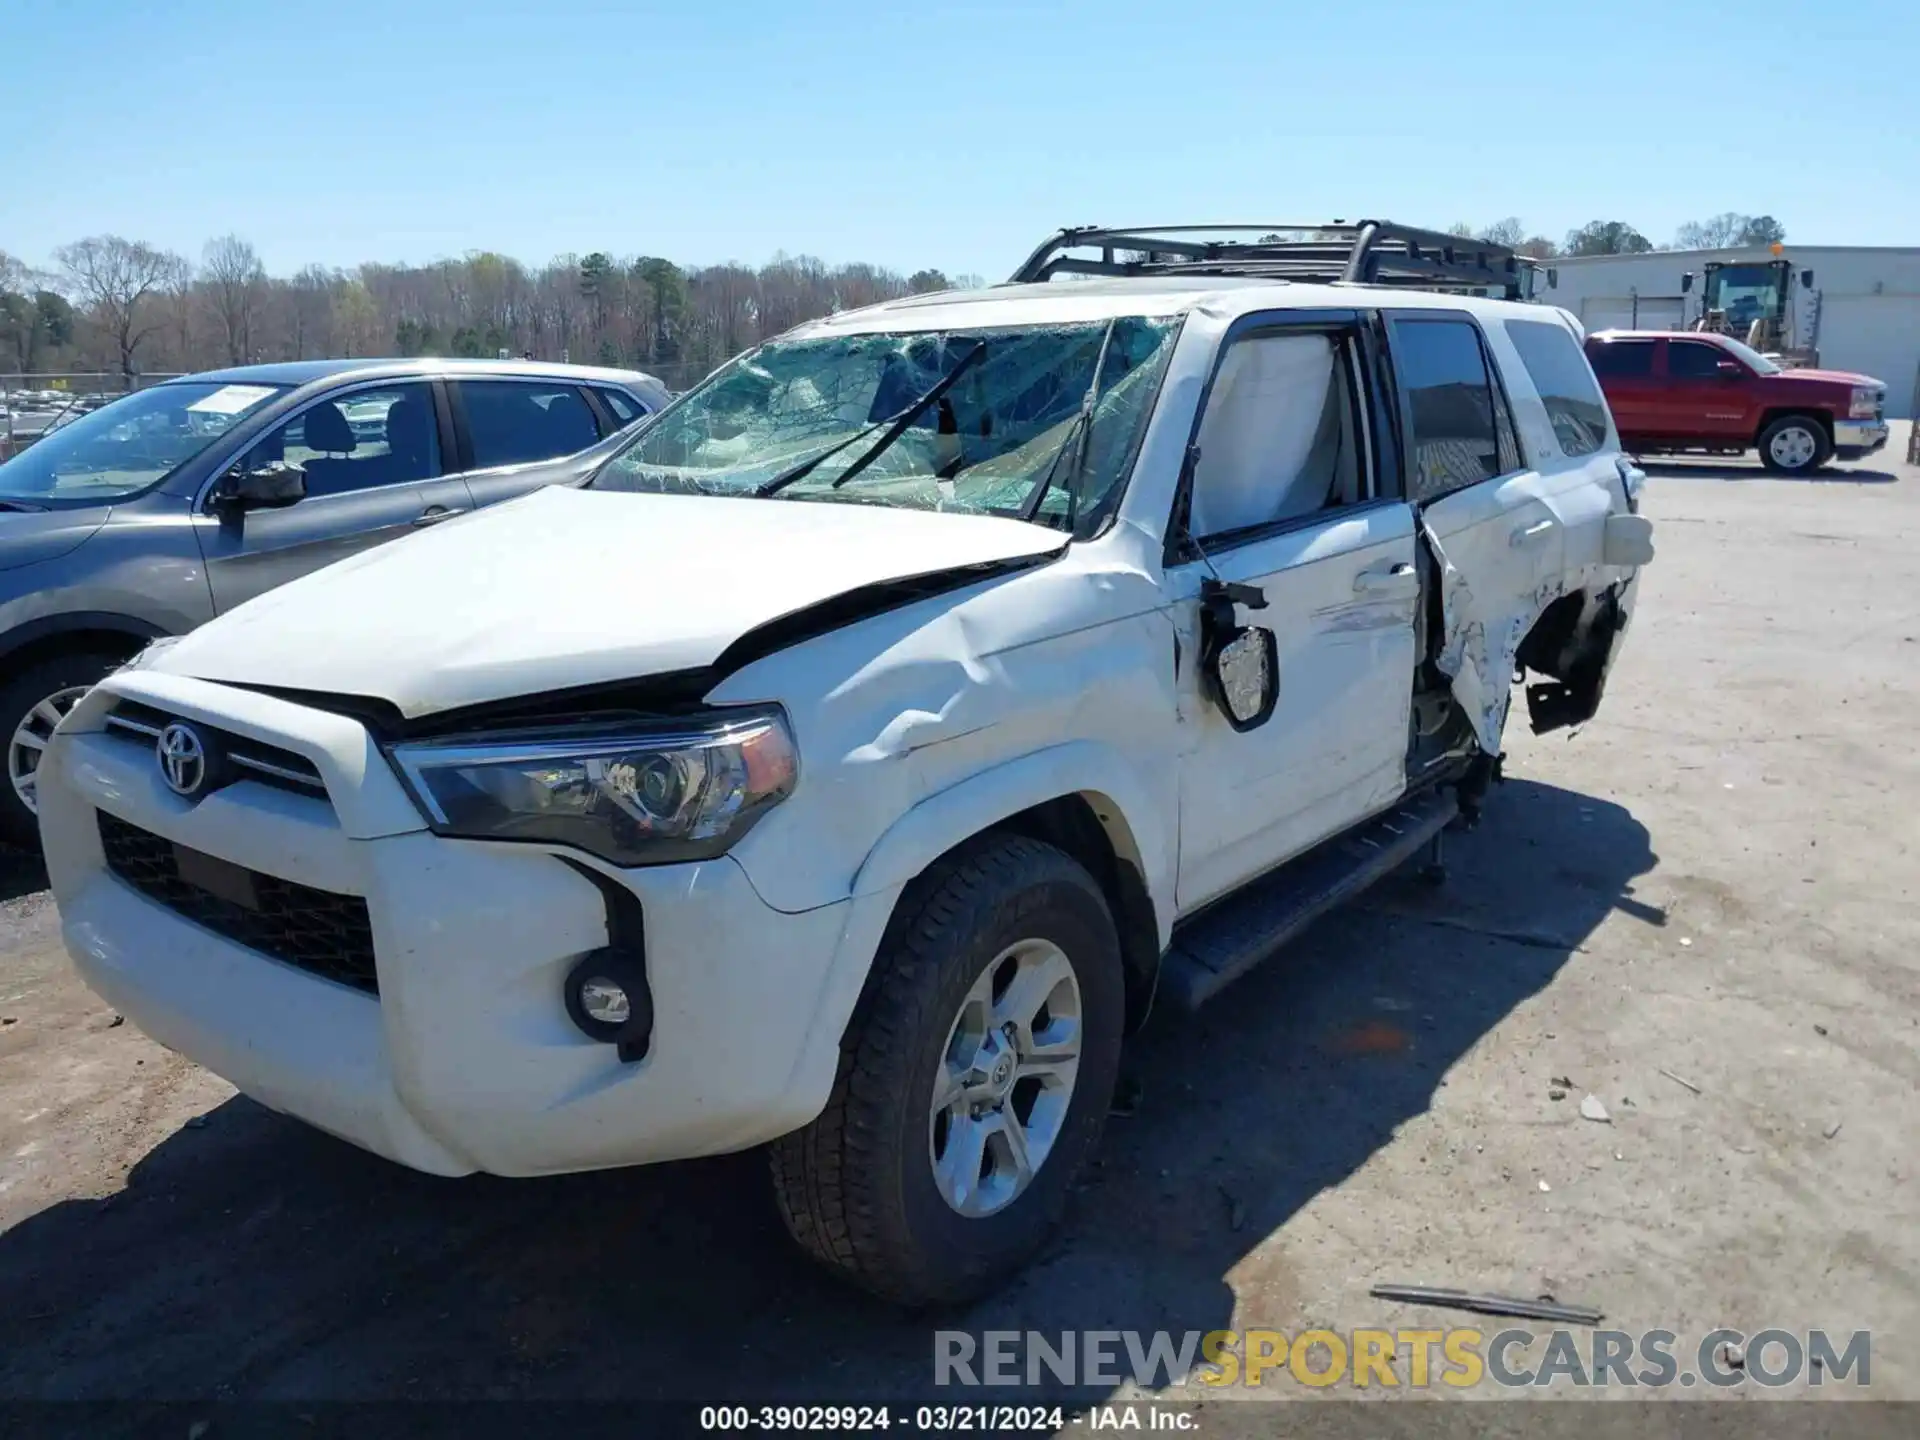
[(1575, 645)]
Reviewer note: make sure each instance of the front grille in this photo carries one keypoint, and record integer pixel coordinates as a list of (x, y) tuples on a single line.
[(269, 764), (317, 930)]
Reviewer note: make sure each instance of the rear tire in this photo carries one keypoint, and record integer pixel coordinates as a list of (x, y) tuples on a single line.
[(923, 1201), (30, 705), (1795, 445)]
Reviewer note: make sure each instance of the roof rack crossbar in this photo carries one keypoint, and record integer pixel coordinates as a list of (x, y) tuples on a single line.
[(1370, 252)]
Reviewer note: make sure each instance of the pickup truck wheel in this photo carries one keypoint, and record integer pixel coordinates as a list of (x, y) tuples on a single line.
[(1794, 445), (31, 704), (974, 1079)]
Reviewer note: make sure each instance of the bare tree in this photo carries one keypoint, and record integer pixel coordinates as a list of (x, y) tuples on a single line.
[(237, 279), (113, 277)]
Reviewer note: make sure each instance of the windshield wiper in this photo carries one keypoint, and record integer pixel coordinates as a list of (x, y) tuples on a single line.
[(1075, 440), (806, 466), (898, 425)]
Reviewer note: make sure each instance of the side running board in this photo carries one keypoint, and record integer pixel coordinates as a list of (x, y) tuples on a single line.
[(1231, 936)]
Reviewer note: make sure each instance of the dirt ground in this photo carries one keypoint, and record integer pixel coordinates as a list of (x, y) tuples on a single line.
[(1714, 881)]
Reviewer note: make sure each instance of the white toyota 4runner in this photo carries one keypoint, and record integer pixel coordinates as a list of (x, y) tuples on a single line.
[(847, 765)]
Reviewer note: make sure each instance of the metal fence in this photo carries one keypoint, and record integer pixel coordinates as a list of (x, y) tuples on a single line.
[(31, 405)]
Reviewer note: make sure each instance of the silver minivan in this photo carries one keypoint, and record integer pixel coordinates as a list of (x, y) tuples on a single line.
[(176, 503)]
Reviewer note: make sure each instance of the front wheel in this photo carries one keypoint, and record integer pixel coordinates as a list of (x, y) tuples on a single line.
[(974, 1079), (31, 704), (1795, 445)]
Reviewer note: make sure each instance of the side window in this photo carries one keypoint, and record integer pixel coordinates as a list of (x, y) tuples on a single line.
[(1278, 440), (1624, 358), (1690, 360), (513, 422), (1460, 431), (625, 408), (359, 440), (1567, 388)]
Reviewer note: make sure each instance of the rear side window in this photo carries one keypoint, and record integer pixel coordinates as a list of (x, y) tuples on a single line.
[(1690, 360), (1621, 357), (624, 407), (514, 422), (1566, 385), (1461, 432)]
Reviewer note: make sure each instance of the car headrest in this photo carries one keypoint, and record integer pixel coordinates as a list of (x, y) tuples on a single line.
[(328, 432), (407, 421)]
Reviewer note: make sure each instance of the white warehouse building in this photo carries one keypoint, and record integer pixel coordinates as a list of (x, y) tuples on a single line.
[(1860, 312)]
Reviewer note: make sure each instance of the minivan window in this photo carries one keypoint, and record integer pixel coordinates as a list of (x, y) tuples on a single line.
[(847, 418), (1567, 388), (359, 440), (1451, 402), (514, 422), (131, 444)]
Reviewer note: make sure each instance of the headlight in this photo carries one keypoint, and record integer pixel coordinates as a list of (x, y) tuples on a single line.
[(635, 795), (1866, 404)]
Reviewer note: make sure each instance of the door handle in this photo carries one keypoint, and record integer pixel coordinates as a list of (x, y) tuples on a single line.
[(434, 514), (1385, 582), (1527, 534)]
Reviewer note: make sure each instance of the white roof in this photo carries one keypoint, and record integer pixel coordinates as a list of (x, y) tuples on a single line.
[(1064, 302)]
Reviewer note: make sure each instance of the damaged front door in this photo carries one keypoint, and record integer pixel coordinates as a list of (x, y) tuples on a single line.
[(1499, 545), (1289, 539)]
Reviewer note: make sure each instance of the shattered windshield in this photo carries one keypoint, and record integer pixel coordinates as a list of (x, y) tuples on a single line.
[(1038, 422)]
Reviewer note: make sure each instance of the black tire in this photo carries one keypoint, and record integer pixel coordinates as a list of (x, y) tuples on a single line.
[(1820, 454), (856, 1187), (18, 697)]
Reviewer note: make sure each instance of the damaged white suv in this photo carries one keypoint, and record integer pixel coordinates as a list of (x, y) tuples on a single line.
[(848, 763)]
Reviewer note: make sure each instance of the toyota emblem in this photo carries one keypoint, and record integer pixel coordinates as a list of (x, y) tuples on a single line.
[(183, 759)]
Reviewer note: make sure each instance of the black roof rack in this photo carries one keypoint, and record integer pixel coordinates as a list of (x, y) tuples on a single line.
[(1365, 252)]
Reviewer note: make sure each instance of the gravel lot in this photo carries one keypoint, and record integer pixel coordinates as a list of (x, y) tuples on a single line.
[(1715, 879)]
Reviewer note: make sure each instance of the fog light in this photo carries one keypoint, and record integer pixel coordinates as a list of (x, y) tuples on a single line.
[(604, 1001), (606, 996)]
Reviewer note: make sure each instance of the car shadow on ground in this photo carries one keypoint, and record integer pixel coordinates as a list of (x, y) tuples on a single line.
[(22, 872), (1670, 469), (251, 1257)]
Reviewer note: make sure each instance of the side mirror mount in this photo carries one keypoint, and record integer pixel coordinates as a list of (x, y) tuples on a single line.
[(1806, 279), (272, 486), (1239, 664), (1686, 283), (1553, 277)]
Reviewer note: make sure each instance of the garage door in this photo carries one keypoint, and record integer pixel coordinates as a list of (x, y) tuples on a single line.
[(1622, 312), (1877, 335)]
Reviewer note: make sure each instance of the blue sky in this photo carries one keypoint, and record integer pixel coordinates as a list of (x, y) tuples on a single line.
[(922, 133)]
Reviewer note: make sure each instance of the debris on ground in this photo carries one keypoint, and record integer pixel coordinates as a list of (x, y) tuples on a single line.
[(1678, 1081), (1834, 1129), (116, 1022), (1489, 1304), (1730, 1355), (197, 1122), (9, 1019), (1819, 1029), (1556, 1093), (1592, 1109), (1545, 1187)]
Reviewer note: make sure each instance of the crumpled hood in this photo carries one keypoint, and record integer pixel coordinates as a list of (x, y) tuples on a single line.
[(29, 536), (563, 588)]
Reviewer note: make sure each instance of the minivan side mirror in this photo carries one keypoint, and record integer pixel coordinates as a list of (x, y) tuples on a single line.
[(272, 486)]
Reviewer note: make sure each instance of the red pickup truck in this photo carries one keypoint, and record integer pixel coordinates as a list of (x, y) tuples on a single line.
[(1701, 393)]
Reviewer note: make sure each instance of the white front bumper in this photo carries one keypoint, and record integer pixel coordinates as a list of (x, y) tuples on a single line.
[(466, 1059)]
